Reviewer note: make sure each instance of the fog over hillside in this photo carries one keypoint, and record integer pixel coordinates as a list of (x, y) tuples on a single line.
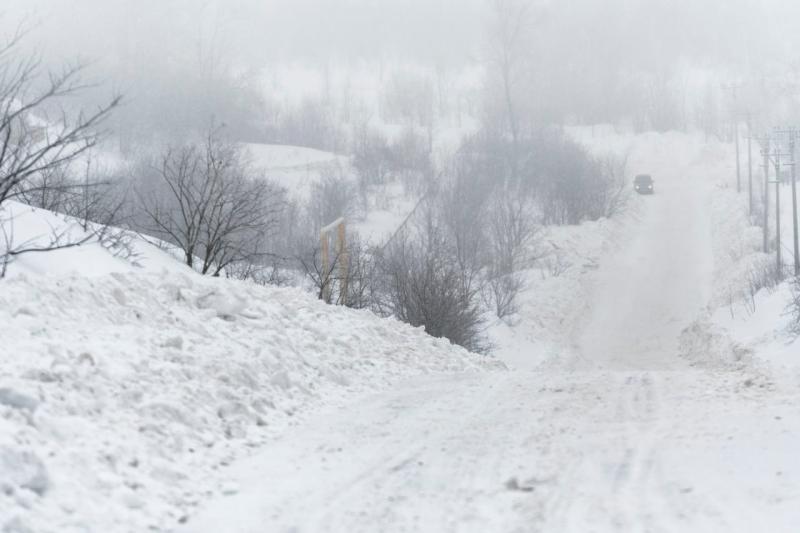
[(435, 266), (584, 56)]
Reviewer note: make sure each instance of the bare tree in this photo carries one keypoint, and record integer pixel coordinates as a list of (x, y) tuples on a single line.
[(425, 286), (513, 230), (614, 196), (37, 134), (39, 138), (51, 189), (206, 201), (509, 55), (333, 196), (356, 287)]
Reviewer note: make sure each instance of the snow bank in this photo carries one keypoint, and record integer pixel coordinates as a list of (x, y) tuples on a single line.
[(553, 303), (747, 308), (128, 382), (29, 227), (124, 396)]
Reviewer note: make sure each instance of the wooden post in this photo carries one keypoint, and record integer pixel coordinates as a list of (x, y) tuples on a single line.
[(327, 267), (325, 274), (343, 264)]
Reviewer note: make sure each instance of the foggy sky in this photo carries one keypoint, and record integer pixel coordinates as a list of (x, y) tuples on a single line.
[(257, 31), (578, 49)]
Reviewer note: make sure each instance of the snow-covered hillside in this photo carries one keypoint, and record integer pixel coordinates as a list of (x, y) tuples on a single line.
[(88, 251), (126, 389), (294, 167)]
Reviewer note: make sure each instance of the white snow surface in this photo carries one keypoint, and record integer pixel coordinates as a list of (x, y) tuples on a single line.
[(650, 417), (756, 319), (124, 396), (296, 168), (29, 227), (642, 400)]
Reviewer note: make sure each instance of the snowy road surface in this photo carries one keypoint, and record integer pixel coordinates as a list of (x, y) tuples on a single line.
[(630, 437)]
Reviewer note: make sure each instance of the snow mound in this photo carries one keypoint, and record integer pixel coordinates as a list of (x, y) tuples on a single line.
[(297, 168), (124, 396), (276, 156), (83, 252)]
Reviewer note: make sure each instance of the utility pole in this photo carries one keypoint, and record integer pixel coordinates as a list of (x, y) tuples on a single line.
[(738, 164), (794, 209), (734, 89), (765, 153), (750, 163), (791, 135), (778, 211)]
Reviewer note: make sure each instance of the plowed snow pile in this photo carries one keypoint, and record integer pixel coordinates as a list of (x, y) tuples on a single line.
[(124, 396)]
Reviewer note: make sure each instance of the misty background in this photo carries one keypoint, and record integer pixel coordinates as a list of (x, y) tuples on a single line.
[(657, 63), (439, 130)]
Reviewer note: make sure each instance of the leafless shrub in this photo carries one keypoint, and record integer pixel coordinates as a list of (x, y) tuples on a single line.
[(51, 189), (411, 156), (426, 286), (372, 159), (512, 234), (501, 294), (763, 274), (206, 200), (321, 276), (615, 194), (33, 139), (555, 264), (363, 291), (350, 277), (793, 309), (274, 273), (332, 197), (38, 139), (408, 99), (310, 123), (570, 183), (513, 229)]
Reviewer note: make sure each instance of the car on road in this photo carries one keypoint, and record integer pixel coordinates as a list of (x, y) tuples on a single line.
[(643, 183)]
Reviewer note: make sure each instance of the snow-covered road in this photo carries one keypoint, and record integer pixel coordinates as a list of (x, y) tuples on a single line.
[(631, 437), (562, 451)]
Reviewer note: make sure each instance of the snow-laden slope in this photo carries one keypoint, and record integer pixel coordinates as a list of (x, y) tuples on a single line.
[(296, 168), (128, 382), (753, 316), (83, 252), (123, 397)]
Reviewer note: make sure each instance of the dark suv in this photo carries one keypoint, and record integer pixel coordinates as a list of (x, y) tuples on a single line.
[(643, 183)]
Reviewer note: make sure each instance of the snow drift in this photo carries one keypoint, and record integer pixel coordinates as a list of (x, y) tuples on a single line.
[(124, 395)]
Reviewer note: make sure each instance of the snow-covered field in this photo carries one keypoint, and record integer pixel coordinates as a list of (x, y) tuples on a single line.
[(155, 399)]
